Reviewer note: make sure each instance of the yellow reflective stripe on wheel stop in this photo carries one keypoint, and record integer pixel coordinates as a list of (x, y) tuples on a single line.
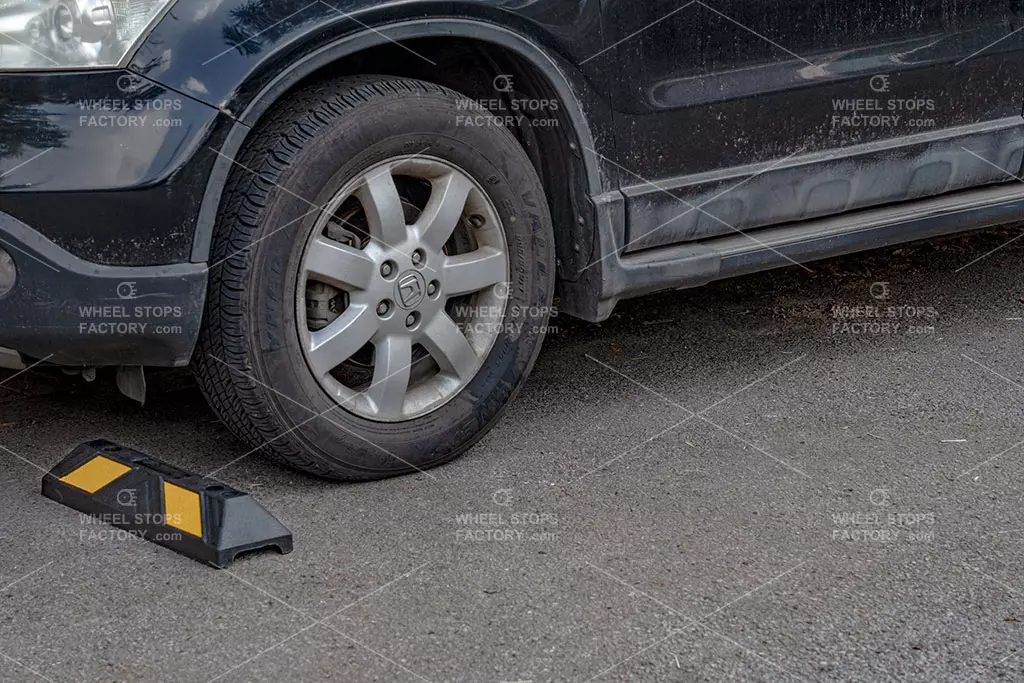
[(95, 474), (183, 509)]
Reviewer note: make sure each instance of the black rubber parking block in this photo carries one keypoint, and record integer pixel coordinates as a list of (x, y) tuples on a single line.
[(198, 517)]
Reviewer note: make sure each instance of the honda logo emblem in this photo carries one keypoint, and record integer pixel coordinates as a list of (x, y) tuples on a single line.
[(410, 289)]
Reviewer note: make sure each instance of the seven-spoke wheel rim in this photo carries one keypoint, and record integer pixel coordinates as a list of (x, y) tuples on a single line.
[(402, 288)]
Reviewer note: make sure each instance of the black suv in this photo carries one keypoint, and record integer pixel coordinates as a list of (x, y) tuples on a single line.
[(352, 217)]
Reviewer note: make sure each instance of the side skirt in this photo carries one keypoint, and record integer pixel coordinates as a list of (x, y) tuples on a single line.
[(613, 276)]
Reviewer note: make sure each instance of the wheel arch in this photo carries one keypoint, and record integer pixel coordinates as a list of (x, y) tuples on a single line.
[(569, 146)]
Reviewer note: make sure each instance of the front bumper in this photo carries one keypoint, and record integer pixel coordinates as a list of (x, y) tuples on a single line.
[(102, 175), (73, 312), (108, 165)]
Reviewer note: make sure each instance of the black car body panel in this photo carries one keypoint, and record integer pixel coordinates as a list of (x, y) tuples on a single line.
[(836, 105), (681, 125), (118, 163), (228, 55), (759, 81)]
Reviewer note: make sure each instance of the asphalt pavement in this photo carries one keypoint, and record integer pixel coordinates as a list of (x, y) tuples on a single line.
[(811, 474)]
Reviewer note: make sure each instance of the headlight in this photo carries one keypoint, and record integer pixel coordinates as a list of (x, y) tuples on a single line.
[(73, 34)]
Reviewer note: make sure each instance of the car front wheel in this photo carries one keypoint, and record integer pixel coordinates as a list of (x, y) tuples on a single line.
[(380, 280)]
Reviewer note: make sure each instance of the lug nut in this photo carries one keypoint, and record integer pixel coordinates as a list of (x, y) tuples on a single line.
[(477, 221), (383, 308), (386, 269), (417, 257), (410, 320), (432, 288)]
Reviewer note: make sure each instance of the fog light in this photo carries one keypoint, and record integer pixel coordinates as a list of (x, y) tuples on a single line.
[(8, 272)]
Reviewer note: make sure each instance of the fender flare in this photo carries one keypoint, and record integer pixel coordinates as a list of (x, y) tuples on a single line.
[(554, 70)]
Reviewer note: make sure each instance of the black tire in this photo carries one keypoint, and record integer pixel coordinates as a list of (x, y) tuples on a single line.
[(248, 361)]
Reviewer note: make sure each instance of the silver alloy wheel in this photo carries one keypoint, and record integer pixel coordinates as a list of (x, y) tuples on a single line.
[(399, 287)]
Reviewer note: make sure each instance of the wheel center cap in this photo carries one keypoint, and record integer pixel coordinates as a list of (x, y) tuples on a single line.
[(410, 289)]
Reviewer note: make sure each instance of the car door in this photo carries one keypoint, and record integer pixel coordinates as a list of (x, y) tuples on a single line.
[(738, 114)]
